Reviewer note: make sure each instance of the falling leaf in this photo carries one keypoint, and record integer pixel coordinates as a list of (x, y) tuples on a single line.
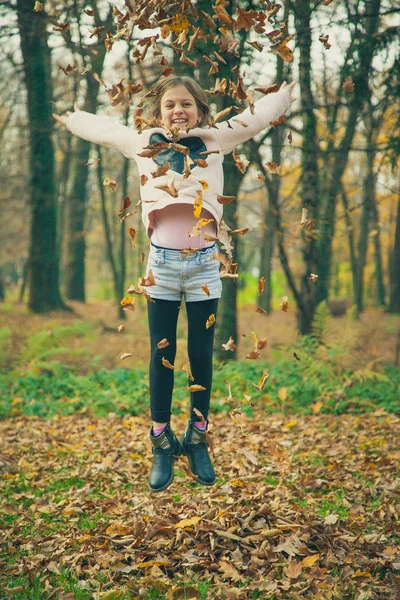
[(283, 50), (121, 328), (290, 137), (260, 310), (93, 162), (188, 371), (273, 168), (167, 364), (204, 184), (210, 321), (279, 121), (110, 183), (242, 231), (38, 6), (296, 356), (262, 381), (230, 344), (198, 204), (284, 304), (348, 85), (163, 343), (125, 355), (161, 170), (241, 164), (148, 280), (205, 289), (200, 162), (132, 233), (225, 199), (222, 114), (199, 225), (324, 40), (125, 204), (270, 89), (313, 277), (127, 303), (196, 388), (261, 285)]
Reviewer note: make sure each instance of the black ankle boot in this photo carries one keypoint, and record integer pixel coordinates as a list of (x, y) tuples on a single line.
[(165, 448), (195, 447)]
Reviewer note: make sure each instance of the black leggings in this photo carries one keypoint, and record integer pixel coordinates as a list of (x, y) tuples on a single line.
[(163, 318)]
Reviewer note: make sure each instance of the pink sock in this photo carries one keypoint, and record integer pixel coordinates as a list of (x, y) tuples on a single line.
[(200, 426), (158, 430)]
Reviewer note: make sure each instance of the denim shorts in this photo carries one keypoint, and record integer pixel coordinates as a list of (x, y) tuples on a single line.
[(176, 274)]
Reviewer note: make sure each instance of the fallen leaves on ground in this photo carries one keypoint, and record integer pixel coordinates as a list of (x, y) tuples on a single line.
[(300, 511)]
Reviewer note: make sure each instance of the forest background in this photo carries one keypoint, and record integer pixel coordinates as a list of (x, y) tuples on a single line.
[(308, 334)]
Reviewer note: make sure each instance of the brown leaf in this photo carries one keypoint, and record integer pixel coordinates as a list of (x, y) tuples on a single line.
[(132, 233), (261, 285), (273, 168), (125, 204), (196, 388), (284, 304), (324, 40), (348, 85), (229, 571), (163, 343), (230, 344), (110, 183), (293, 569), (270, 89), (167, 364), (210, 321), (38, 6), (125, 355), (225, 199)]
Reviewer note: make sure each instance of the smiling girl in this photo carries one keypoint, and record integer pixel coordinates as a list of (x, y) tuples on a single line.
[(179, 112)]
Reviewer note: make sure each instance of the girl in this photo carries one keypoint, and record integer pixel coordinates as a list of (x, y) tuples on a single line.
[(171, 181)]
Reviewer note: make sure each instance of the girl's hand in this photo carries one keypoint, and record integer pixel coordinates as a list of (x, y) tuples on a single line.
[(289, 89), (63, 118)]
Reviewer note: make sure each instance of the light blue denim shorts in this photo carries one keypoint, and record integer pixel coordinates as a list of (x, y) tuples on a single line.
[(178, 275)]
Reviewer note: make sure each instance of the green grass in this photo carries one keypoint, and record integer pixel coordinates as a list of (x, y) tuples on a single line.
[(49, 388)]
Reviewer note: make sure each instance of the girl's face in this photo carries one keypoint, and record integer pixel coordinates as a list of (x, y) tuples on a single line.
[(179, 109)]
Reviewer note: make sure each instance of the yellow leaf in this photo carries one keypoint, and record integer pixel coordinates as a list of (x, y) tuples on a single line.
[(317, 407), (282, 394), (362, 574), (291, 423), (309, 561), (118, 529), (111, 595), (187, 523)]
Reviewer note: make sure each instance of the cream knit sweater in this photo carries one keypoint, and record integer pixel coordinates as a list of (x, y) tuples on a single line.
[(224, 138)]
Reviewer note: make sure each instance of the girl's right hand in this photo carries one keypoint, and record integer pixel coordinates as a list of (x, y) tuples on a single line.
[(289, 89), (63, 118)]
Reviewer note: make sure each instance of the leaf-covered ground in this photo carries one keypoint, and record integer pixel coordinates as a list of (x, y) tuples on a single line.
[(303, 507)]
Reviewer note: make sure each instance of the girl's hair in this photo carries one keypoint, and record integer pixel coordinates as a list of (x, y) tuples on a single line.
[(166, 83)]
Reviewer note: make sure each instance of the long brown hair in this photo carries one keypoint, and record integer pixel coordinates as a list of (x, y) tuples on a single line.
[(166, 83)]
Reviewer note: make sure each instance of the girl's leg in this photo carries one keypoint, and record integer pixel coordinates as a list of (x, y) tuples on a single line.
[(162, 318), (200, 352)]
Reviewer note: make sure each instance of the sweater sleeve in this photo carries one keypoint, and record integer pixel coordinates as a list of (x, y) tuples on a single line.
[(104, 131), (266, 109)]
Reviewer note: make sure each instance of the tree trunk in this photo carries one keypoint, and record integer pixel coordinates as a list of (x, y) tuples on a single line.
[(75, 243), (394, 302), (350, 233), (380, 285), (267, 248), (309, 174), (44, 294), (360, 78)]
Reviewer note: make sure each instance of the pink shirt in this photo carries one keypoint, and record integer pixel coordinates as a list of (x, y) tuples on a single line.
[(171, 226)]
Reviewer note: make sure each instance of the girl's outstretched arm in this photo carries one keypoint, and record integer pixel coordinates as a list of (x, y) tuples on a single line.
[(266, 109), (100, 130)]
